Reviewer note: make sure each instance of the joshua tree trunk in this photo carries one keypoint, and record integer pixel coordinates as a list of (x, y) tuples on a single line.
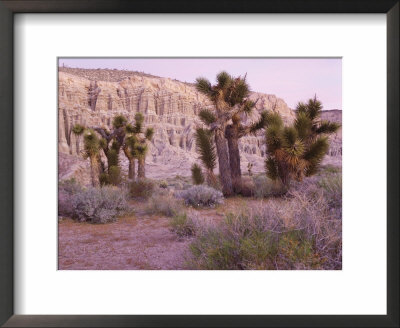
[(131, 159), (141, 170), (95, 170), (223, 161), (77, 145), (131, 171), (232, 135)]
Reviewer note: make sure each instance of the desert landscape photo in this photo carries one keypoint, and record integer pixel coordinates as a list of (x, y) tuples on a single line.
[(199, 164)]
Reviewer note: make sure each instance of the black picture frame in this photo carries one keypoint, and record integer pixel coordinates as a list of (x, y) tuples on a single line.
[(10, 7)]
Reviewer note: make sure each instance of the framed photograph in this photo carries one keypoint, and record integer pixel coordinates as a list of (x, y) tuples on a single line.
[(206, 164)]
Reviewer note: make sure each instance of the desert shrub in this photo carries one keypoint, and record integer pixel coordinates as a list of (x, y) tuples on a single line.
[(143, 188), (166, 205), (245, 187), (183, 225), (298, 232), (163, 184), (265, 187), (99, 205), (66, 189), (201, 196), (197, 175), (103, 178), (332, 186)]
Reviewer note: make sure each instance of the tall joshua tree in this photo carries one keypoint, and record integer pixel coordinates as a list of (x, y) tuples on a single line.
[(91, 151), (78, 130), (297, 150), (230, 98)]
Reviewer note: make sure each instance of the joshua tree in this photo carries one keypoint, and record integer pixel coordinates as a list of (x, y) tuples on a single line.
[(91, 151), (138, 147), (130, 152), (197, 175), (206, 148), (230, 98), (296, 151), (78, 130)]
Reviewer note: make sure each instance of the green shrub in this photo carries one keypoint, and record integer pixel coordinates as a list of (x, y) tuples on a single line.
[(332, 186), (99, 205), (202, 196), (143, 188), (265, 187), (183, 225), (163, 184), (197, 175), (298, 232), (164, 204), (103, 178)]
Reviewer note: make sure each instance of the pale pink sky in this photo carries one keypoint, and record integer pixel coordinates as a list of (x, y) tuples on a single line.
[(292, 79)]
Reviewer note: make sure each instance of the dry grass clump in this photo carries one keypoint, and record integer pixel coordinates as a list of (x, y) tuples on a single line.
[(298, 232), (164, 204), (265, 187), (184, 225), (141, 189)]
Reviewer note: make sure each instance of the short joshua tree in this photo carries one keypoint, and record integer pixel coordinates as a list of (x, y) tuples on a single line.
[(297, 150)]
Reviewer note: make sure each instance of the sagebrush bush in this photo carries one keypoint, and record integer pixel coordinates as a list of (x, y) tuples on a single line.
[(99, 205), (66, 189), (166, 205), (163, 184), (142, 188), (265, 187), (332, 186), (183, 225), (201, 196), (299, 232)]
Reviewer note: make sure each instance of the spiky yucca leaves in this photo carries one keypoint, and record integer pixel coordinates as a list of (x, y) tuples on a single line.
[(119, 121), (297, 150), (197, 175), (327, 127), (149, 134), (260, 124), (207, 116), (91, 143), (315, 154), (206, 149), (78, 130), (308, 122), (204, 86), (91, 151)]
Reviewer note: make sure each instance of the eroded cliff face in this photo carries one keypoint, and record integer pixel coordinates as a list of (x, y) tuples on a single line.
[(171, 107)]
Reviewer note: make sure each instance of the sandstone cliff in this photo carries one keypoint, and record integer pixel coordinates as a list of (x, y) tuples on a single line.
[(94, 97)]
